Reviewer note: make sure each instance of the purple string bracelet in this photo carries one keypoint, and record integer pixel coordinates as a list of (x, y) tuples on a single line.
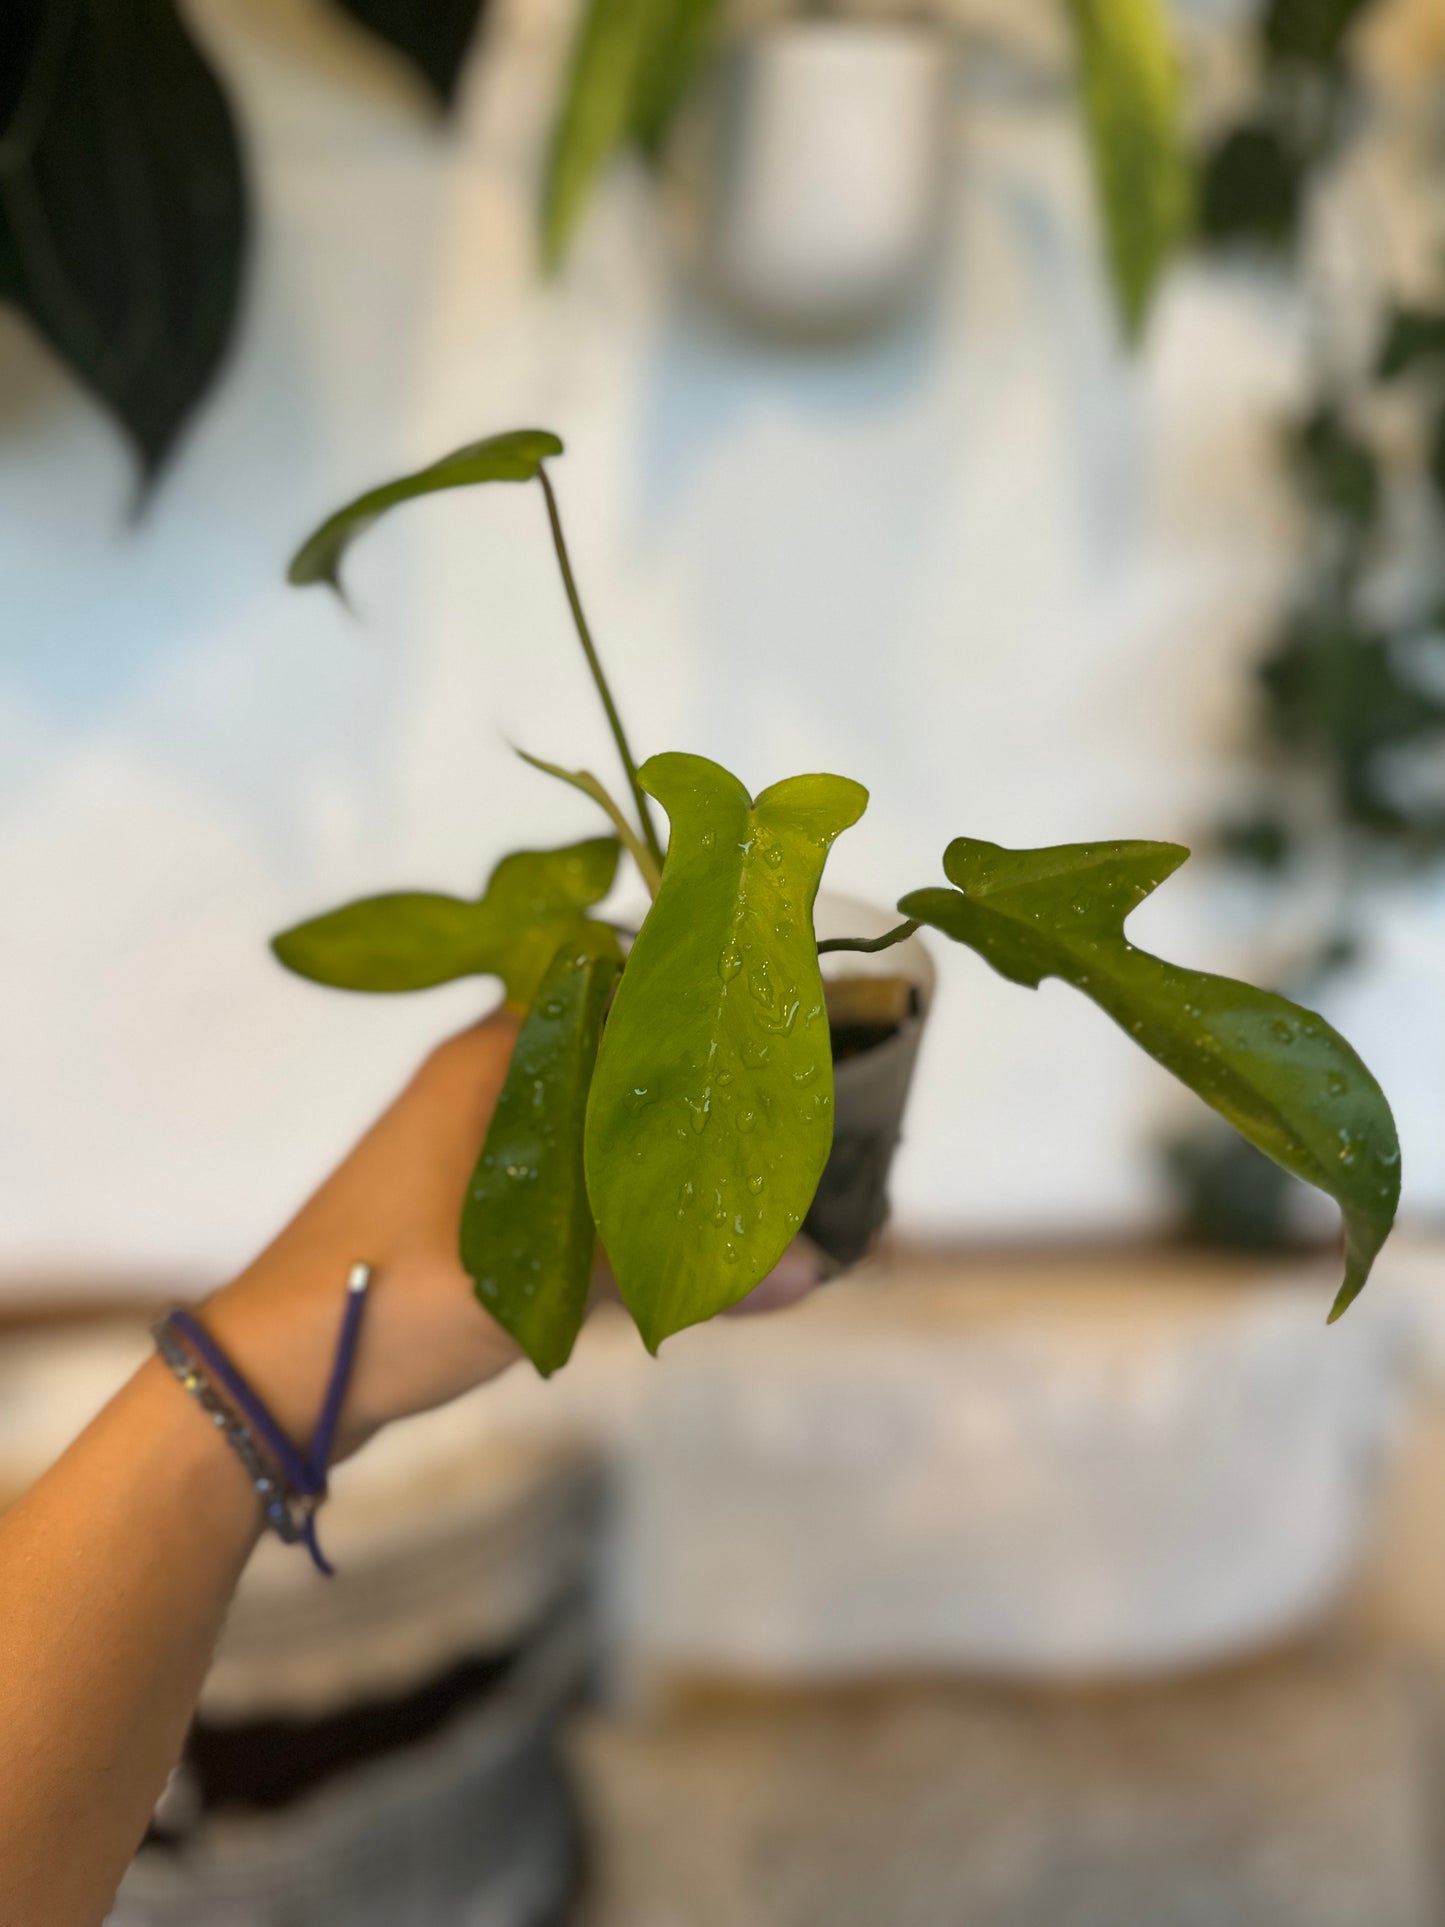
[(291, 1483)]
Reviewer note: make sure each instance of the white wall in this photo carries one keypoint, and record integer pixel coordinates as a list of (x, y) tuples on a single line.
[(991, 569)]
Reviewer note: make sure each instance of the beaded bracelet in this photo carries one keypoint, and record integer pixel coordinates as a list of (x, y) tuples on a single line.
[(290, 1484)]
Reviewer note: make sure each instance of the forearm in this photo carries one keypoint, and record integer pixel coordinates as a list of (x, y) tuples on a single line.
[(116, 1570), (115, 1574)]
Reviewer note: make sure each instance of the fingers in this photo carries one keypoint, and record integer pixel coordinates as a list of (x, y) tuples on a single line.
[(799, 1271)]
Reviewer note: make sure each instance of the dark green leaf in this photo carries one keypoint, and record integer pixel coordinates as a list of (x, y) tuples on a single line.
[(1278, 1073), (1251, 189), (1341, 691), (412, 939), (1338, 467), (122, 204), (710, 1118), (1130, 88), (513, 457), (527, 1235), (434, 35), (1230, 1196), (1309, 33), (1262, 842), (1436, 458), (1414, 338)]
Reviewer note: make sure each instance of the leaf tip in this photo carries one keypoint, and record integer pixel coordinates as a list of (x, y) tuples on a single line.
[(1348, 1292), (308, 571)]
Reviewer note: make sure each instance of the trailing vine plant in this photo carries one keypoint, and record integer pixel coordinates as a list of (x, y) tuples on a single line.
[(671, 1093), (1349, 692)]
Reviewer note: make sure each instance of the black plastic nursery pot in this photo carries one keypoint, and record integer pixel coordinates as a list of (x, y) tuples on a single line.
[(877, 1009)]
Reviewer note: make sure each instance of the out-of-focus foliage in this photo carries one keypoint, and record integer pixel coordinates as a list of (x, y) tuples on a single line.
[(1250, 187), (1129, 80), (434, 35), (1255, 177), (630, 68), (633, 62), (123, 206), (1349, 717), (1309, 33)]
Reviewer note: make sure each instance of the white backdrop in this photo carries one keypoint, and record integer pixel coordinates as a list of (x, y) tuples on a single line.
[(990, 568)]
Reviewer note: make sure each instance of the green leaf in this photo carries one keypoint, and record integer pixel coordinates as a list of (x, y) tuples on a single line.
[(527, 1236), (1435, 459), (711, 1119), (1309, 33), (411, 939), (679, 39), (1337, 466), (1278, 1073), (513, 457), (1251, 188), (434, 35), (1413, 338), (595, 115), (631, 64), (1130, 86), (123, 205)]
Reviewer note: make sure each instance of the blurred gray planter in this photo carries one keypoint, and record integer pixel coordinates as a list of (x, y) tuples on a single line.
[(870, 1085), (1050, 1470), (825, 191)]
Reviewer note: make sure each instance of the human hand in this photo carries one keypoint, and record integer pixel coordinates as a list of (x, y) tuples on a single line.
[(394, 1202)]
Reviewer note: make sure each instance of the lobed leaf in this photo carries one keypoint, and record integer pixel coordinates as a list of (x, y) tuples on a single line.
[(710, 1118), (1277, 1072), (527, 1236), (412, 939), (1131, 94), (513, 457)]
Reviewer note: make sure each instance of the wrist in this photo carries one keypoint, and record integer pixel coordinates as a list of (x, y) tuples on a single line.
[(280, 1332), (183, 1461)]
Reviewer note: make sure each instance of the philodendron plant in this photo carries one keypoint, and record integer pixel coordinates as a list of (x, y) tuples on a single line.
[(671, 1092)]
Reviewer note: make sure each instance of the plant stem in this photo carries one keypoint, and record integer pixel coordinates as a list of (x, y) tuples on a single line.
[(589, 649), (584, 780), (886, 942)]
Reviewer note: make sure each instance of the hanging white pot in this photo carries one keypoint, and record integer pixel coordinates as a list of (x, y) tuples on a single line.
[(826, 185)]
